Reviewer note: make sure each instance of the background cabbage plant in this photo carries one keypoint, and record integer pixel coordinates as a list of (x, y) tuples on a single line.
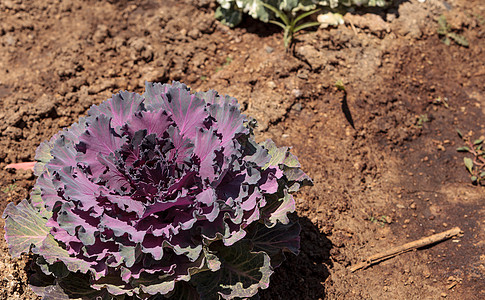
[(154, 196), (230, 11)]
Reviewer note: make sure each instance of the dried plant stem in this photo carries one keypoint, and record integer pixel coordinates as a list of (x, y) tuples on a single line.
[(435, 238)]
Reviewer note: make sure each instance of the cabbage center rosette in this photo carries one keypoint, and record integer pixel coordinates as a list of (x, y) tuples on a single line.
[(162, 193)]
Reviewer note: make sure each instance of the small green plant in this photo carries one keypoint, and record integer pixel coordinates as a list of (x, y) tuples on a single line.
[(421, 120), (441, 101), (228, 61), (9, 188), (444, 30), (381, 221), (290, 22), (339, 84), (476, 165)]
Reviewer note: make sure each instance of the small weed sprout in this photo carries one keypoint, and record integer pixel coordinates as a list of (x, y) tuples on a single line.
[(441, 101), (381, 221), (9, 188), (476, 165), (421, 120), (444, 30)]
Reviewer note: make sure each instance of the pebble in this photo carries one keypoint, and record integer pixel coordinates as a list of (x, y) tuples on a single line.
[(297, 93), (268, 49)]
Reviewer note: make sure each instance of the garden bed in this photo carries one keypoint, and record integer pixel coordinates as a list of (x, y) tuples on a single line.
[(380, 145)]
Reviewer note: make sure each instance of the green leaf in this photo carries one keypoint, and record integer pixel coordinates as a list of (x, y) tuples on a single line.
[(442, 23), (482, 174), (463, 149), (478, 142), (229, 17), (447, 41), (459, 39), (474, 178), (306, 25), (304, 15), (278, 23), (468, 164), (278, 13), (42, 156), (459, 133), (275, 241), (38, 203), (278, 210), (69, 286), (183, 291), (24, 227), (52, 252), (242, 273), (340, 85)]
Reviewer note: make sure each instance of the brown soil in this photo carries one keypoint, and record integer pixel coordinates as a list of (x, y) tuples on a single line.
[(392, 177)]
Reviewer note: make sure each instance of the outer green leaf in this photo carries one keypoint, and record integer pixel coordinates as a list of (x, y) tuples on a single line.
[(468, 164), (52, 252), (241, 275), (43, 156), (279, 155), (49, 287), (23, 227), (275, 241), (183, 290), (38, 204), (284, 205), (297, 178)]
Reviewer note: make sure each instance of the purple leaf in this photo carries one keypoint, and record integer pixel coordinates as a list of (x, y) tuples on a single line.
[(186, 110), (119, 109)]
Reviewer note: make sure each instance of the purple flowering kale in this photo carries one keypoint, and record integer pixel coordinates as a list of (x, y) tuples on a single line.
[(155, 196)]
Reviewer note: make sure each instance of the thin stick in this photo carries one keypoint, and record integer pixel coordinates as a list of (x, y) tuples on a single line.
[(435, 238)]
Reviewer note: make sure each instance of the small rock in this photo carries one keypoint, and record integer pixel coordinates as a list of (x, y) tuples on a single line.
[(271, 85), (100, 34), (302, 74), (297, 107), (297, 93), (194, 33), (268, 49)]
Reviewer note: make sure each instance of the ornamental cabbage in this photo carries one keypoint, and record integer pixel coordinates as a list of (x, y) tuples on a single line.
[(230, 11), (155, 196)]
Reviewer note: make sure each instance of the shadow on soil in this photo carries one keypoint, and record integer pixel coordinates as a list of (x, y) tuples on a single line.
[(302, 277)]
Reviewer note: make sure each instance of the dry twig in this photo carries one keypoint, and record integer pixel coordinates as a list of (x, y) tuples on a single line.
[(376, 258)]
